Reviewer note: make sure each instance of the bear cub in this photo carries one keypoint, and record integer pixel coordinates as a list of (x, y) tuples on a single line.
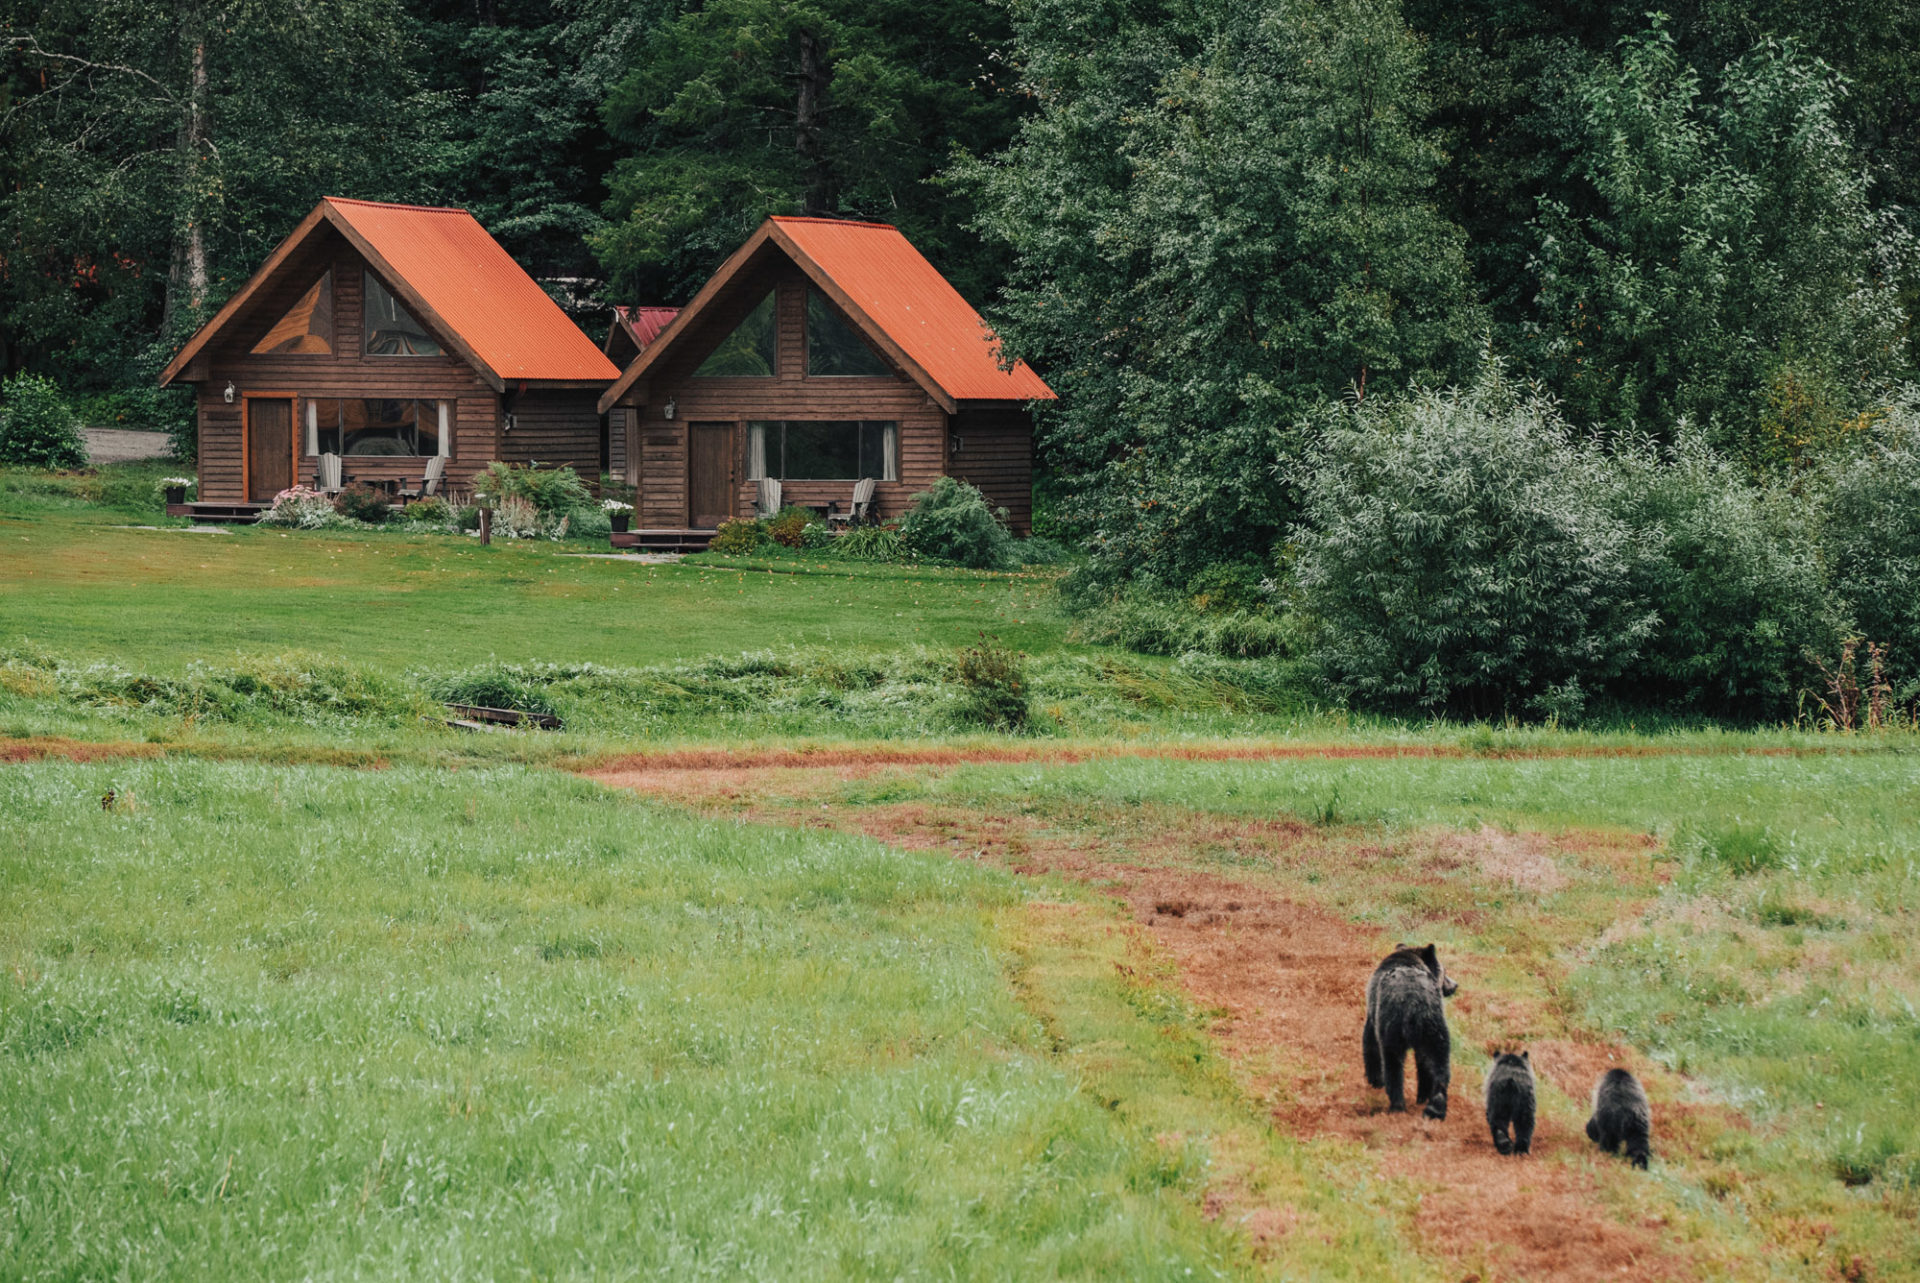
[(1620, 1116), (1510, 1102), (1405, 1013)]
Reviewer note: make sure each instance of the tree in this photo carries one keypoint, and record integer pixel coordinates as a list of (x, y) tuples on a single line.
[(1716, 246), (1220, 217), (743, 108)]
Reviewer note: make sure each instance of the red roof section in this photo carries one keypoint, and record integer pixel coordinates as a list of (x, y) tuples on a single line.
[(643, 324), (907, 298), (476, 289)]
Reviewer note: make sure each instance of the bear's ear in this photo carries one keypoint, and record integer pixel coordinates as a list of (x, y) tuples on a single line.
[(1432, 956), (1527, 1056)]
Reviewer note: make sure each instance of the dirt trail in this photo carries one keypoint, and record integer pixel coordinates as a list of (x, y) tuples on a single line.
[(1288, 977)]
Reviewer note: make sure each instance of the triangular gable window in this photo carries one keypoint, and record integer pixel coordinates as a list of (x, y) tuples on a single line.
[(307, 328), (834, 347), (391, 329), (747, 353)]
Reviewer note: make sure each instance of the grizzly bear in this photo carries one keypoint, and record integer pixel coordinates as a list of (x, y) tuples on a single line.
[(1620, 1116), (1405, 1013), (1510, 1102)]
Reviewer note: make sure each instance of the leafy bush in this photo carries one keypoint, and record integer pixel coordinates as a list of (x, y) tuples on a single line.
[(1038, 550), (553, 492), (788, 527), (1734, 576), (1458, 553), (295, 684), (951, 521), (429, 510), (871, 543), (37, 428), (993, 686), (1229, 586), (517, 517), (359, 502), (493, 686), (303, 509), (1153, 625), (1872, 539), (816, 536), (737, 537), (589, 523)]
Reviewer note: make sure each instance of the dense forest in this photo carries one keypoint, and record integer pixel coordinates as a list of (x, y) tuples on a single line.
[(1230, 235)]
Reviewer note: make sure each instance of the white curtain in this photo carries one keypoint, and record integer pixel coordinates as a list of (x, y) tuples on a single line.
[(313, 429), (890, 453), (756, 451), (446, 437)]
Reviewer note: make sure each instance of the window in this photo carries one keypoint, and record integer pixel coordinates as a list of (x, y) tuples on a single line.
[(307, 328), (378, 426), (834, 347), (391, 329), (823, 450), (747, 353)]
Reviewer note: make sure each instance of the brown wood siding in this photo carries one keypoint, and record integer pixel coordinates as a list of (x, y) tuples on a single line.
[(345, 374), (556, 427), (788, 395), (997, 456)]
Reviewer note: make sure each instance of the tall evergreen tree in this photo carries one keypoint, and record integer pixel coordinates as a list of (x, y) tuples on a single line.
[(1221, 216)]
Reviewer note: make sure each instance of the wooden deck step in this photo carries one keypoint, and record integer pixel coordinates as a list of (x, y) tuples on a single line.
[(216, 514), (676, 540)]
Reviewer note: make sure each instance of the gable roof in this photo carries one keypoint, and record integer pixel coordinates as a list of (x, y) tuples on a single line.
[(455, 278), (888, 289), (642, 325)]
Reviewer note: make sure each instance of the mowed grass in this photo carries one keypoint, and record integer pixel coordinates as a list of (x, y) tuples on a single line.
[(86, 580), (1776, 962), (309, 1022)]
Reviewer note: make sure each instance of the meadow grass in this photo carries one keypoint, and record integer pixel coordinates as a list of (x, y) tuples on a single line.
[(333, 1024)]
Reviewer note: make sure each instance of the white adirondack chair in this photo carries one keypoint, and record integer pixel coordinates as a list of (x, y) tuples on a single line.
[(861, 510), (430, 482), (327, 475)]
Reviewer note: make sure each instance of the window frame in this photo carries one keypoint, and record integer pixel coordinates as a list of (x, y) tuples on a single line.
[(889, 448), (369, 282), (311, 429), (834, 311)]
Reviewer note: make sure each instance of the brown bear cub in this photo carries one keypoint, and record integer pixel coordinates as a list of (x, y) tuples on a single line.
[(1510, 1102), (1405, 1013), (1620, 1116)]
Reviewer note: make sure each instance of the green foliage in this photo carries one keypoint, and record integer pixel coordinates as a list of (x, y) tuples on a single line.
[(871, 543), (303, 509), (737, 536), (789, 526), (1140, 621), (37, 428), (552, 492), (297, 684), (951, 521), (1871, 536), (493, 686), (738, 109), (429, 510), (993, 686), (1728, 242), (1458, 554), (360, 502), (1220, 217), (1733, 572)]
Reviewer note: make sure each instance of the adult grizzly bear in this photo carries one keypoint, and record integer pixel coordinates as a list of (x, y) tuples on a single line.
[(1405, 1013), (1621, 1118)]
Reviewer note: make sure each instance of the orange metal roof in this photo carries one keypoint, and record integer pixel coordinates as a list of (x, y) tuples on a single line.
[(907, 298), (643, 324), (475, 288)]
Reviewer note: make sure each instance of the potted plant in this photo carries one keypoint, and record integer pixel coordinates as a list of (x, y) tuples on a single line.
[(173, 490), (619, 515)]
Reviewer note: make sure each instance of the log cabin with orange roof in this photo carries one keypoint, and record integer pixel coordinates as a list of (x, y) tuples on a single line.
[(822, 352), (388, 335)]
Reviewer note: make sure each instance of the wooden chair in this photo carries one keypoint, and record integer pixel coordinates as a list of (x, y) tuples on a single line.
[(861, 511), (326, 475), (429, 482), (766, 500)]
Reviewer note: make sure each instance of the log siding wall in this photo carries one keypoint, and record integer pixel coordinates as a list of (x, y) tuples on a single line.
[(996, 455)]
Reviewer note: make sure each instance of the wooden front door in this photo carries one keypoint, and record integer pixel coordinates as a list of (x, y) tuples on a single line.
[(269, 447), (710, 475)]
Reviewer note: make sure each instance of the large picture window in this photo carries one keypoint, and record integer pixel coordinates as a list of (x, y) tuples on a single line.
[(378, 426), (747, 353), (823, 450), (834, 347), (307, 328), (391, 329)]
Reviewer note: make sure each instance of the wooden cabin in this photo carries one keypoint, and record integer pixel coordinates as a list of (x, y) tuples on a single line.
[(386, 334), (821, 352)]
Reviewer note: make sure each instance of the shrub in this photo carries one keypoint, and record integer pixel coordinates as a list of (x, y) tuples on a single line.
[(1458, 553), (993, 686), (1152, 625), (871, 543), (1871, 536), (303, 509), (517, 517), (362, 503), (553, 492), (494, 686), (951, 521), (1229, 586), (1734, 577), (1038, 550), (430, 510), (788, 527), (589, 523), (37, 428), (738, 537)]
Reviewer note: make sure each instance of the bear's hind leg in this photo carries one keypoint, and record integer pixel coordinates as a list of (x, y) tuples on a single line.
[(1394, 1067), (1370, 1053), (1435, 1071), (1523, 1130), (1498, 1126)]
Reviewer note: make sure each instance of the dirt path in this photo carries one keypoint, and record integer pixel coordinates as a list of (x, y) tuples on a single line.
[(1288, 977)]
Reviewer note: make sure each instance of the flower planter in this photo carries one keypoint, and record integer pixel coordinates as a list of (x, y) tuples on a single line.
[(620, 520), (176, 495)]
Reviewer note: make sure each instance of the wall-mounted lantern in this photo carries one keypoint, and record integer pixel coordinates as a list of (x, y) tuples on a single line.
[(229, 392), (668, 411)]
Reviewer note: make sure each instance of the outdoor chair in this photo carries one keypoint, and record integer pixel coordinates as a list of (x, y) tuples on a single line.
[(766, 500), (861, 511), (326, 475), (429, 483)]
